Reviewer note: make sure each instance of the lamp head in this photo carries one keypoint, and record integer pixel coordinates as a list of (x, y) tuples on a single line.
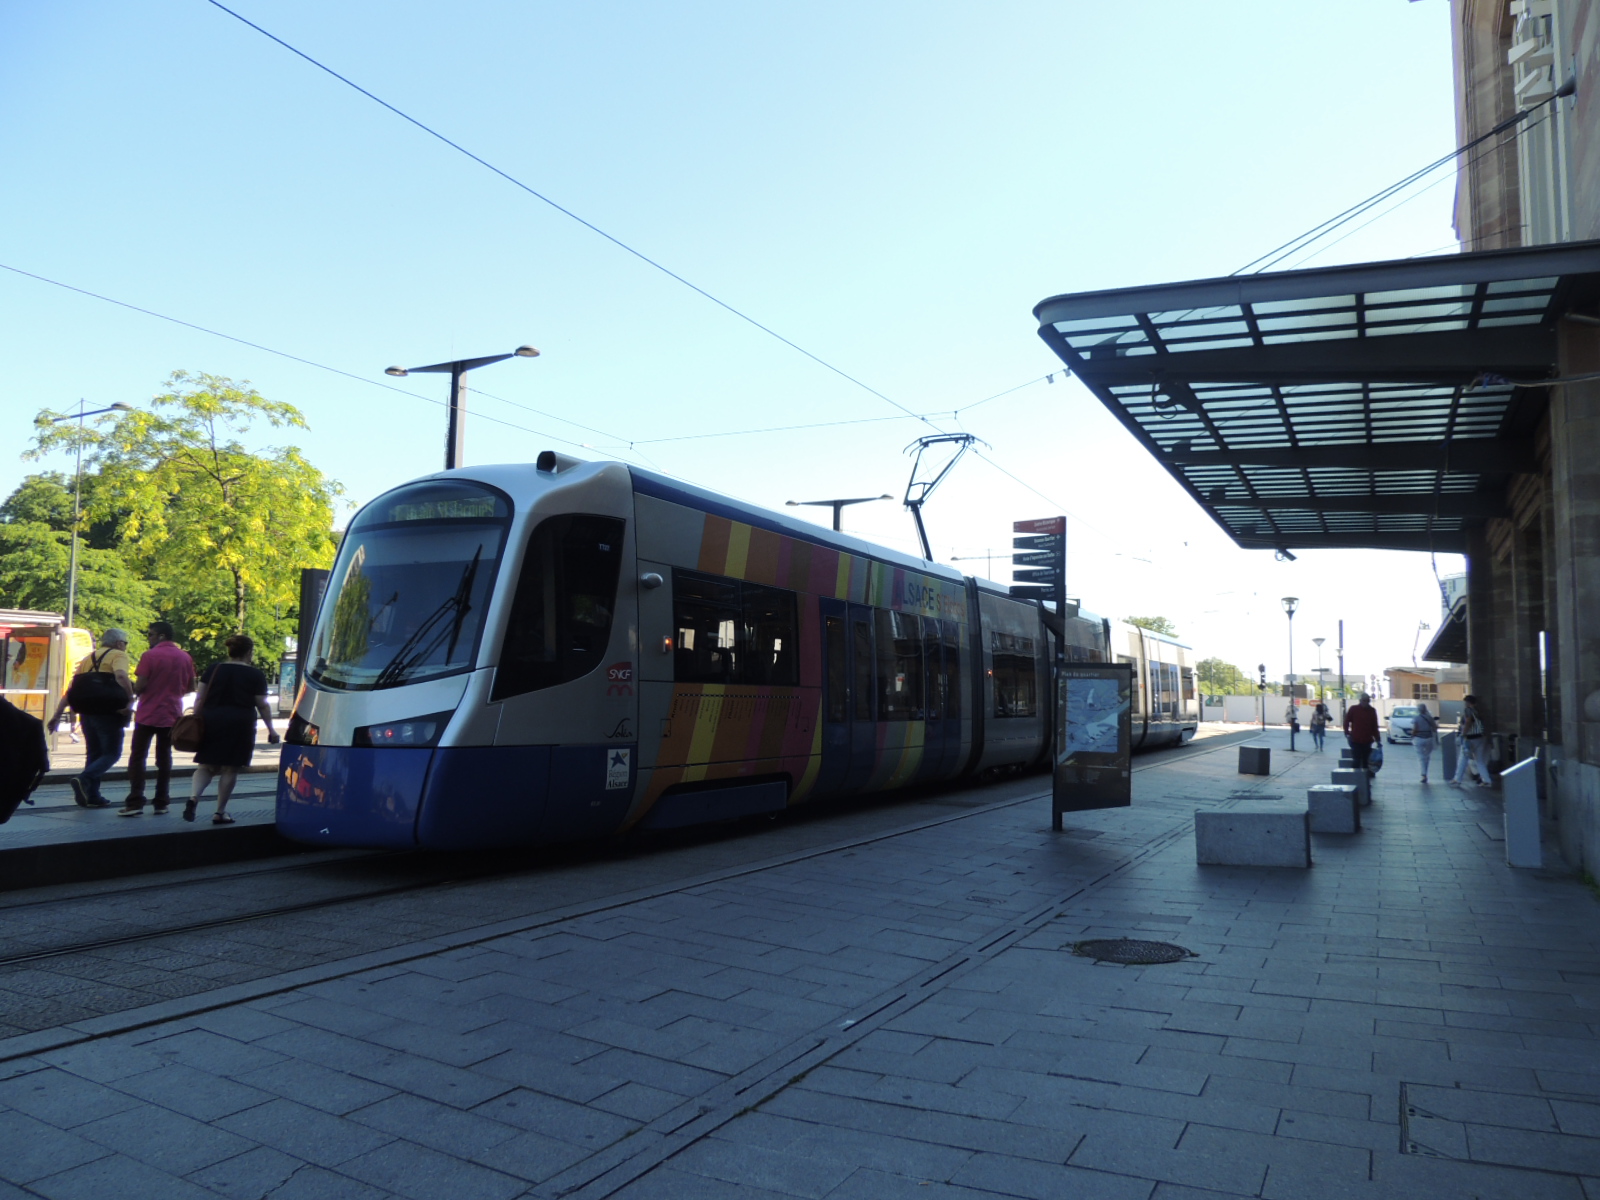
[(886, 496), (397, 372), (525, 352), (121, 407), (792, 503), (1290, 603)]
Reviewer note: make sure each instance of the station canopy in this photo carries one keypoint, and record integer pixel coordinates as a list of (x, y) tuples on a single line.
[(1378, 406)]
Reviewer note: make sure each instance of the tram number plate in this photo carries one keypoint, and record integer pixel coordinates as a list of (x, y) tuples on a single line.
[(617, 769)]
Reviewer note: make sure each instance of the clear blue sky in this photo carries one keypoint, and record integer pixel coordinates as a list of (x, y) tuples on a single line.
[(891, 185)]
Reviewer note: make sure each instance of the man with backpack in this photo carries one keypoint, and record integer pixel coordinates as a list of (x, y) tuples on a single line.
[(100, 694)]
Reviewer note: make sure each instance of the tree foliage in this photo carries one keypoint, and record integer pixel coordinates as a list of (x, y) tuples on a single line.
[(36, 557), (220, 531), (1219, 678), (1153, 624)]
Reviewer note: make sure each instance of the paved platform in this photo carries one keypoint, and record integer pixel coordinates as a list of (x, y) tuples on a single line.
[(54, 841), (881, 1004)]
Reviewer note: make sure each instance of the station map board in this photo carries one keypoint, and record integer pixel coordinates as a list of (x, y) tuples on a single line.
[(1093, 738)]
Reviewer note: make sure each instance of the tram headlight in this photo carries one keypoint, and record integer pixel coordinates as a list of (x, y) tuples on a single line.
[(301, 732), (414, 731)]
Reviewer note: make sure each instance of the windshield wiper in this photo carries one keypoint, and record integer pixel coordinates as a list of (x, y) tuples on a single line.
[(412, 652)]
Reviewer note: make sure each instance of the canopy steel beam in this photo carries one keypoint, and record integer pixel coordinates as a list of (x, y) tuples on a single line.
[(1478, 506), (1451, 542), (1456, 356), (1486, 266), (1474, 456)]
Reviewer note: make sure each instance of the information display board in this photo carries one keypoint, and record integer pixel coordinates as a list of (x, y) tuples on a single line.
[(1093, 738)]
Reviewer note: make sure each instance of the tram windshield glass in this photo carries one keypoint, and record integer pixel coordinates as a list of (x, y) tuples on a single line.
[(407, 597)]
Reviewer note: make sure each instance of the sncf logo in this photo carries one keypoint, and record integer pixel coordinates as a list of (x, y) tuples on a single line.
[(619, 679)]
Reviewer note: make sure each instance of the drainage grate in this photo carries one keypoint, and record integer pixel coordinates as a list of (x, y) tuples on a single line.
[(1131, 951)]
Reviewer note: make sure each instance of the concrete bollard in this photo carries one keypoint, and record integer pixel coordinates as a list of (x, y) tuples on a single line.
[(1333, 808), (1520, 793), (1357, 779), (1277, 837), (1255, 760), (1449, 747)]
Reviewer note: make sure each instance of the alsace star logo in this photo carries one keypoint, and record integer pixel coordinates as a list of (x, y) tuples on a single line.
[(619, 759)]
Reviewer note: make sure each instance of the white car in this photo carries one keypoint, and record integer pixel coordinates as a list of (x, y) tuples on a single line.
[(1400, 723)]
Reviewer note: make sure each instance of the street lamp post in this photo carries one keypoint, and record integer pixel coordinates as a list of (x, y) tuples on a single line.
[(838, 506), (77, 493), (455, 434), (1290, 603), (1322, 684)]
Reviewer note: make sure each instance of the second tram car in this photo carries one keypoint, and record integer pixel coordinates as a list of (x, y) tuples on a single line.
[(525, 654)]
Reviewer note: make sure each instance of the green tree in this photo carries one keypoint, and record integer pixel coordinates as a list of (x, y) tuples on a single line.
[(1153, 624), (1219, 678), (220, 530), (36, 557)]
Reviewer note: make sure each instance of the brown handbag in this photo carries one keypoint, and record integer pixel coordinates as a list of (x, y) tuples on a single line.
[(187, 732)]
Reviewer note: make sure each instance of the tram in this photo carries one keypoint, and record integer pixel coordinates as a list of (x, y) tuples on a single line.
[(547, 652)]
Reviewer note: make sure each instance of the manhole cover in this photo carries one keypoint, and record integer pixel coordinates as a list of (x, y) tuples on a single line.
[(1132, 951)]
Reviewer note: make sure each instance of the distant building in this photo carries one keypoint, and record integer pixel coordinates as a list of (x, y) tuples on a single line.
[(1427, 683)]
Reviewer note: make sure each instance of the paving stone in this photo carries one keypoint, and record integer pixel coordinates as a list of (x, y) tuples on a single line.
[(1047, 1181), (423, 1174), (574, 1123), (62, 1099), (207, 1051), (196, 1094), (167, 1140), (31, 1149), (435, 1125), (331, 1091), (120, 1177), (304, 1132), (797, 1174), (317, 1183), (248, 1176)]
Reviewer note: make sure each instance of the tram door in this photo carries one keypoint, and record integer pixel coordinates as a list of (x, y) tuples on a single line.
[(849, 730)]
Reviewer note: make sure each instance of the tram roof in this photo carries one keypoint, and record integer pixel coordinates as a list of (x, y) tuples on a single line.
[(1380, 405)]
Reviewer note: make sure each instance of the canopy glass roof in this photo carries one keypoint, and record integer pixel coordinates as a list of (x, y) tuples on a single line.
[(1373, 405)]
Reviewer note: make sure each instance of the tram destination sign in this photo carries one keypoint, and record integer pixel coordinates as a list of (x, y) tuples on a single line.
[(1039, 559)]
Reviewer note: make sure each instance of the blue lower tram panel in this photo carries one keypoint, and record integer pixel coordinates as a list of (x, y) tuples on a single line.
[(454, 797)]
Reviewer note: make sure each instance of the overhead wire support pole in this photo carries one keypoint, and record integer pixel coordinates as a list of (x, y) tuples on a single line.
[(918, 491)]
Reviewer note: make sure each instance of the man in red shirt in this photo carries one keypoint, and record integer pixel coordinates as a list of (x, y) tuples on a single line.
[(165, 675), (1361, 728)]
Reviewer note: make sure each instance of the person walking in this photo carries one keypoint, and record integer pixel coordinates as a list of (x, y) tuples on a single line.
[(165, 675), (1471, 744), (1361, 730), (1319, 725), (1424, 735), (102, 731), (229, 697)]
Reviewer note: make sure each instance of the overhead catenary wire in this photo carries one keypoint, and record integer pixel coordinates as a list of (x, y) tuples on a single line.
[(567, 212), (1276, 255), (279, 353)]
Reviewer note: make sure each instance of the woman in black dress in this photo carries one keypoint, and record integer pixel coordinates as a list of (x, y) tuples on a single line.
[(229, 697)]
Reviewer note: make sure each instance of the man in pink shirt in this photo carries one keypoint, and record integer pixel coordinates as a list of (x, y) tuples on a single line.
[(165, 675)]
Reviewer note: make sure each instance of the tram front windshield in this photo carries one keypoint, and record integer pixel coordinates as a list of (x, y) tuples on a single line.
[(407, 597)]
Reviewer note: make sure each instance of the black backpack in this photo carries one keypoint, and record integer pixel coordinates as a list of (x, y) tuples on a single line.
[(96, 693), (23, 757)]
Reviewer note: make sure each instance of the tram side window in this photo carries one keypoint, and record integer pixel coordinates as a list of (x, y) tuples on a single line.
[(733, 632), (1188, 685), (933, 667), (861, 633), (1138, 683), (771, 656), (838, 681), (560, 619), (1015, 680), (899, 666), (706, 614), (950, 635)]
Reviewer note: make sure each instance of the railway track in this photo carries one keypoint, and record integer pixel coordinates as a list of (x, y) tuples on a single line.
[(452, 877)]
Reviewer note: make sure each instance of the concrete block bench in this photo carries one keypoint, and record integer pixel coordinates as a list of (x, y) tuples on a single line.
[(1334, 808), (1255, 760), (1276, 837), (1357, 779)]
